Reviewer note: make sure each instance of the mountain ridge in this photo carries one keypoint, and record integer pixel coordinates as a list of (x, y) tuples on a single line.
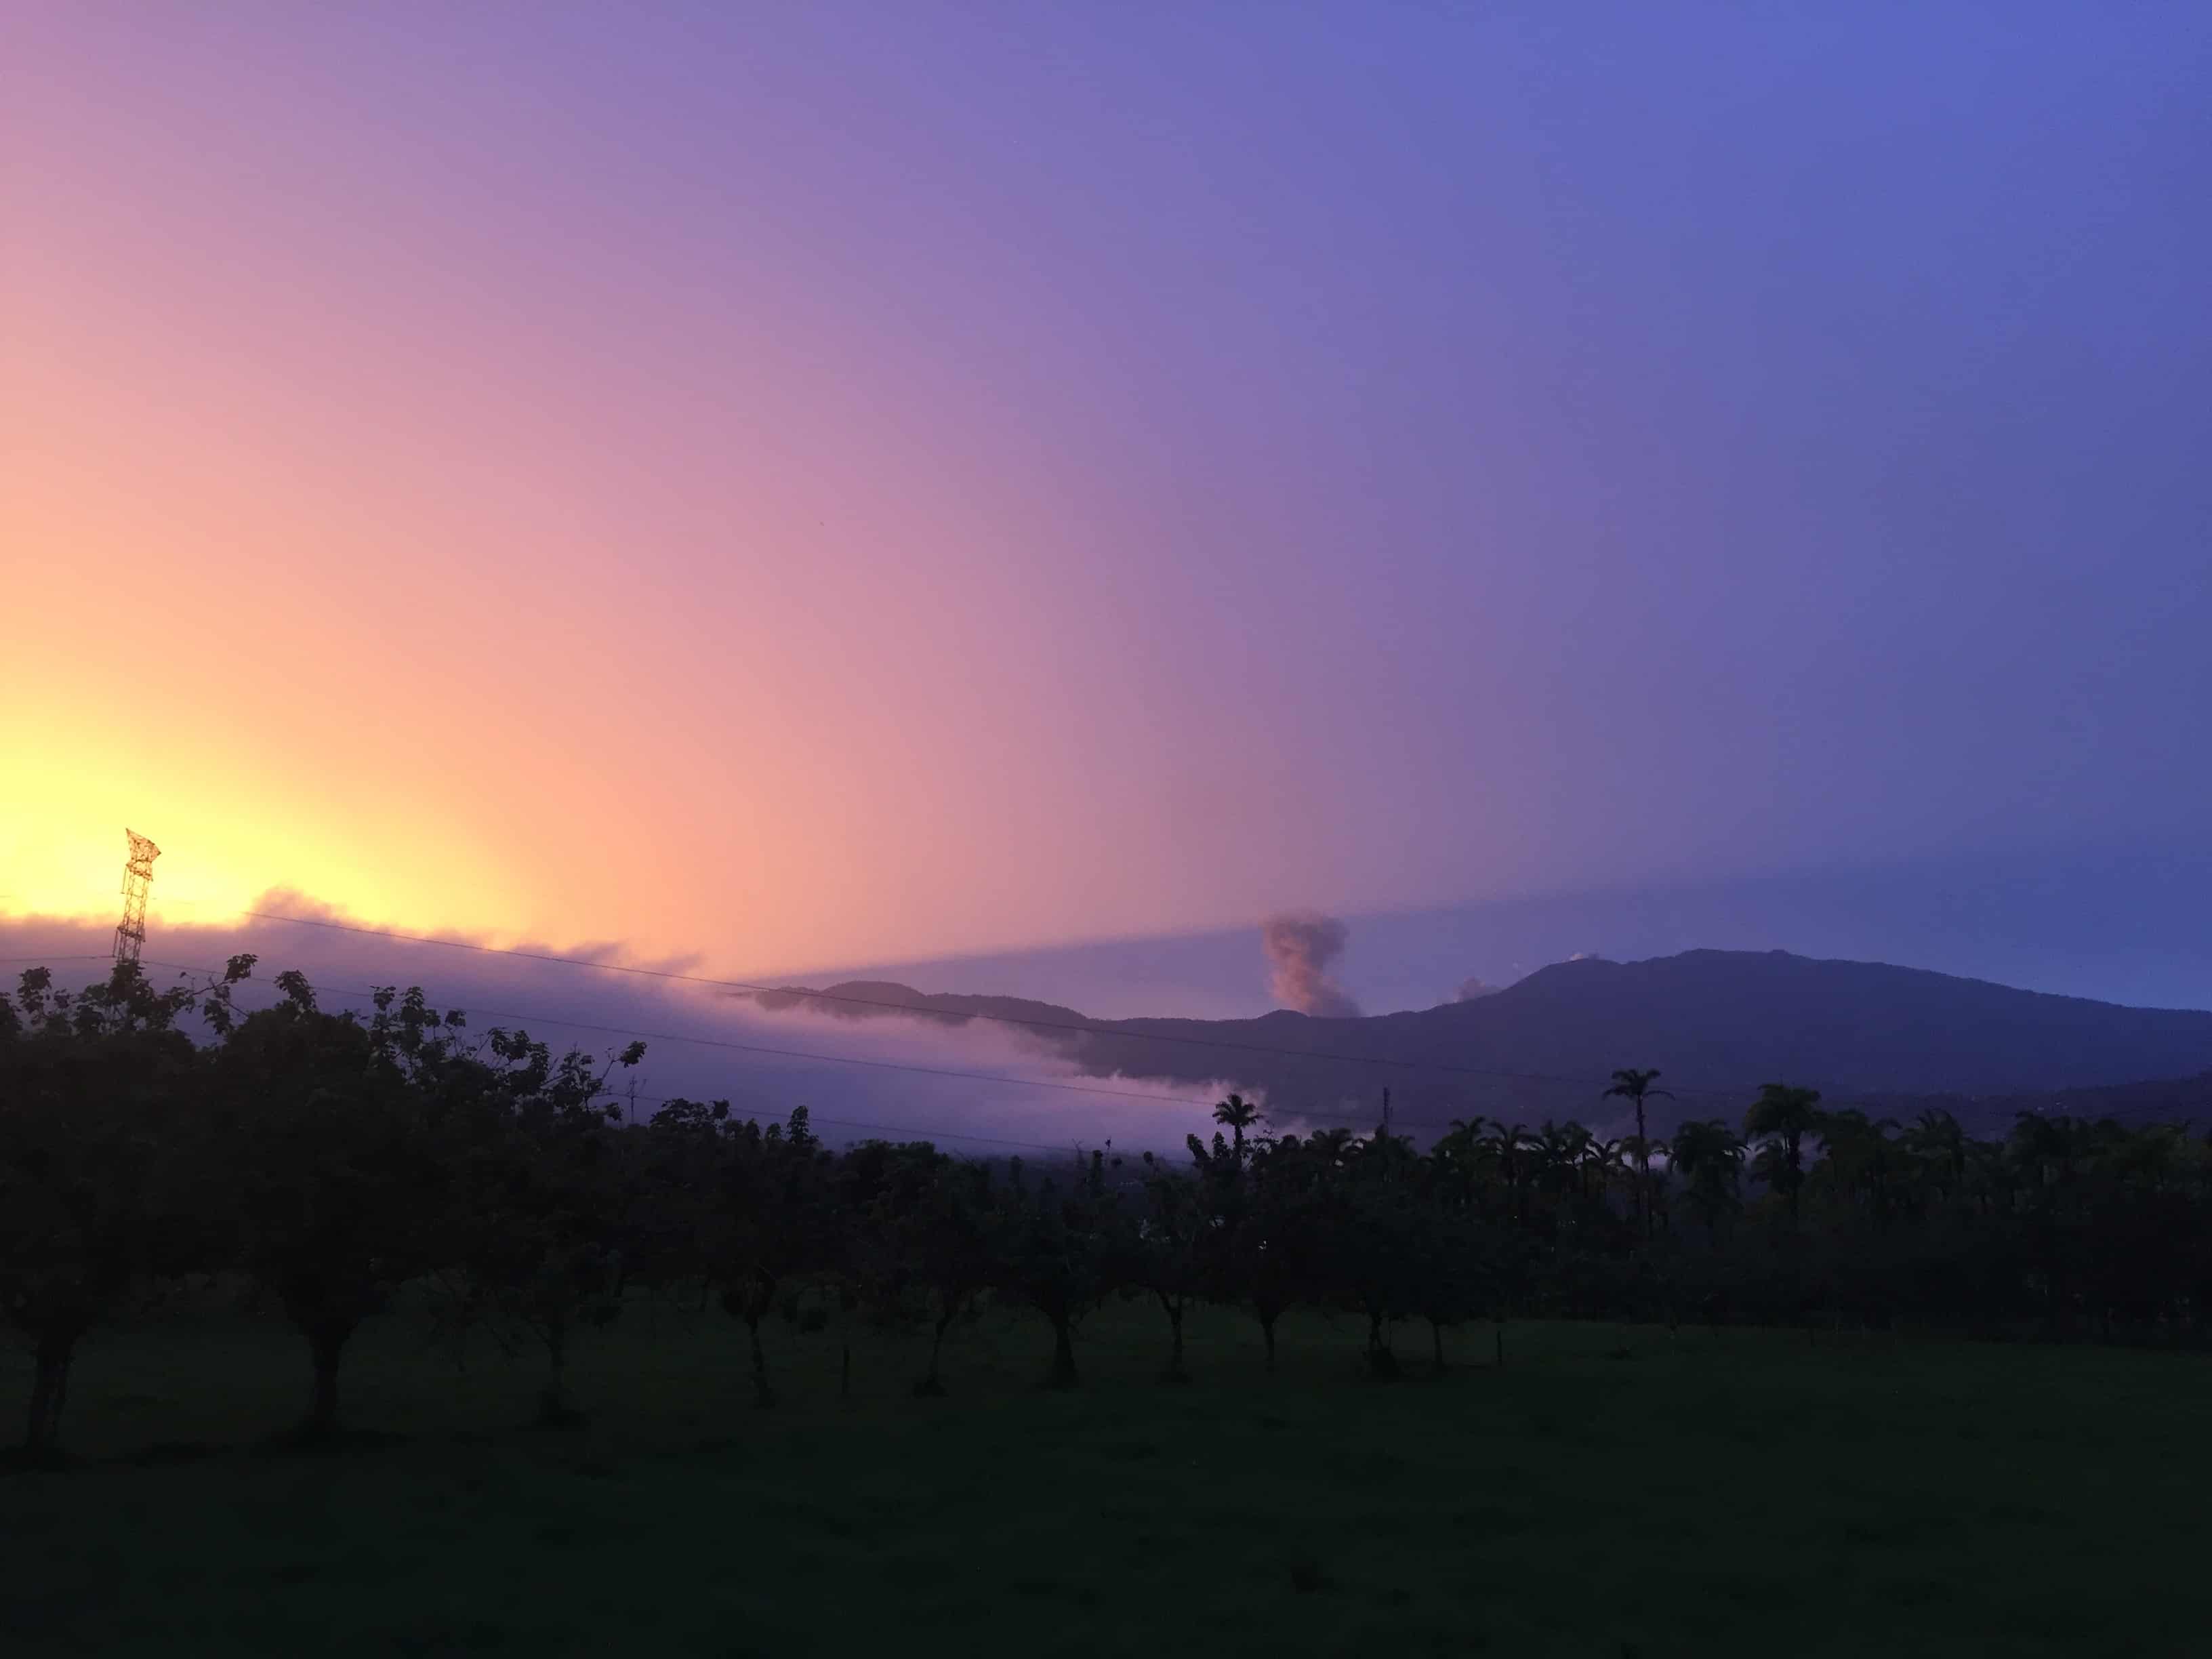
[(1717, 1023)]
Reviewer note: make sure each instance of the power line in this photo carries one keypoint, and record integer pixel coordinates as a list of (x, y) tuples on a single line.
[(912, 1010)]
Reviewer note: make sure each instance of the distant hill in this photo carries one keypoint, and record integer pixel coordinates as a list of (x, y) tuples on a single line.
[(1718, 1021)]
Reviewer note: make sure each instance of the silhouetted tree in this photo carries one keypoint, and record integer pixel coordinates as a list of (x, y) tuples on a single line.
[(1378, 1240), (1256, 1248), (1168, 1253), (947, 1233), (1236, 1115), (1509, 1151), (759, 1203), (542, 1234), (1862, 1160), (1708, 1156), (1635, 1087), (341, 1194), (95, 1092), (336, 1159), (1939, 1144), (917, 1245), (1787, 1116), (1057, 1252), (1448, 1255)]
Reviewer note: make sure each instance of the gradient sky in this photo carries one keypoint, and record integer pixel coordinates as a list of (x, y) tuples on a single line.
[(814, 485)]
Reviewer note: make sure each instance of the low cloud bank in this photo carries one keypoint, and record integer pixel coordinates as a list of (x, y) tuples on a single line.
[(700, 1042)]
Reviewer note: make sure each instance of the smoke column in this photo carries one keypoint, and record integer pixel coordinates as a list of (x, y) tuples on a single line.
[(1300, 947)]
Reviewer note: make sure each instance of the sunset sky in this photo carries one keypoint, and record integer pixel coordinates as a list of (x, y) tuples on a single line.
[(809, 486)]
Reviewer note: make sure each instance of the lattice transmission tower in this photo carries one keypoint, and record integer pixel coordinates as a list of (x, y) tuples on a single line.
[(138, 877)]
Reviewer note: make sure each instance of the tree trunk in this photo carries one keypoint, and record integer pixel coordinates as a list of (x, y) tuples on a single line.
[(1643, 1168), (763, 1395), (1380, 1360), (1063, 1353), (553, 1402), (325, 1347), (1174, 1372), (49, 1388), (1267, 1330), (933, 1385)]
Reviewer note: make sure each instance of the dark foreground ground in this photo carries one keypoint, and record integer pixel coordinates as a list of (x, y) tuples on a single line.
[(1611, 1492)]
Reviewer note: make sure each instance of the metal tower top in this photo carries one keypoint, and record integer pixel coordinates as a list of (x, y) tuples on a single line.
[(138, 877)]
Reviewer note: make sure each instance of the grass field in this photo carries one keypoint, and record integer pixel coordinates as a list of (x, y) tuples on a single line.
[(1611, 1492)]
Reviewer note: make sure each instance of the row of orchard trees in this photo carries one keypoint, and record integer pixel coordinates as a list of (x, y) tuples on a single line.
[(334, 1159)]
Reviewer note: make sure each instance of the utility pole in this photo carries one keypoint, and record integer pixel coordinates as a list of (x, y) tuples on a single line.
[(138, 877), (1386, 1114)]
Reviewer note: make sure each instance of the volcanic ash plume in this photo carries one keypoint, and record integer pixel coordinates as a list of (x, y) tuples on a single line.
[(1471, 989), (1300, 947)]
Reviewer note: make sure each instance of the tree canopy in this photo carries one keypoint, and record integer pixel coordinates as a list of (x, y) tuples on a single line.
[(347, 1167)]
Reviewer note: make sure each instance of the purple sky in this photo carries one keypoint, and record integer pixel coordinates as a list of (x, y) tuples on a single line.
[(871, 483)]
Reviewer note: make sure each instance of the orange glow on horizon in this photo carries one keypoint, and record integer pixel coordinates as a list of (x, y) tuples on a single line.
[(470, 541)]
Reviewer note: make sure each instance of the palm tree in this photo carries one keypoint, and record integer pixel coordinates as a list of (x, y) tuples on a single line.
[(1236, 1115), (1457, 1156), (1601, 1162), (1709, 1156), (1332, 1146), (1559, 1156), (1860, 1160), (1508, 1145), (1884, 1168), (1938, 1142), (1635, 1087), (1788, 1115), (1560, 1146)]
